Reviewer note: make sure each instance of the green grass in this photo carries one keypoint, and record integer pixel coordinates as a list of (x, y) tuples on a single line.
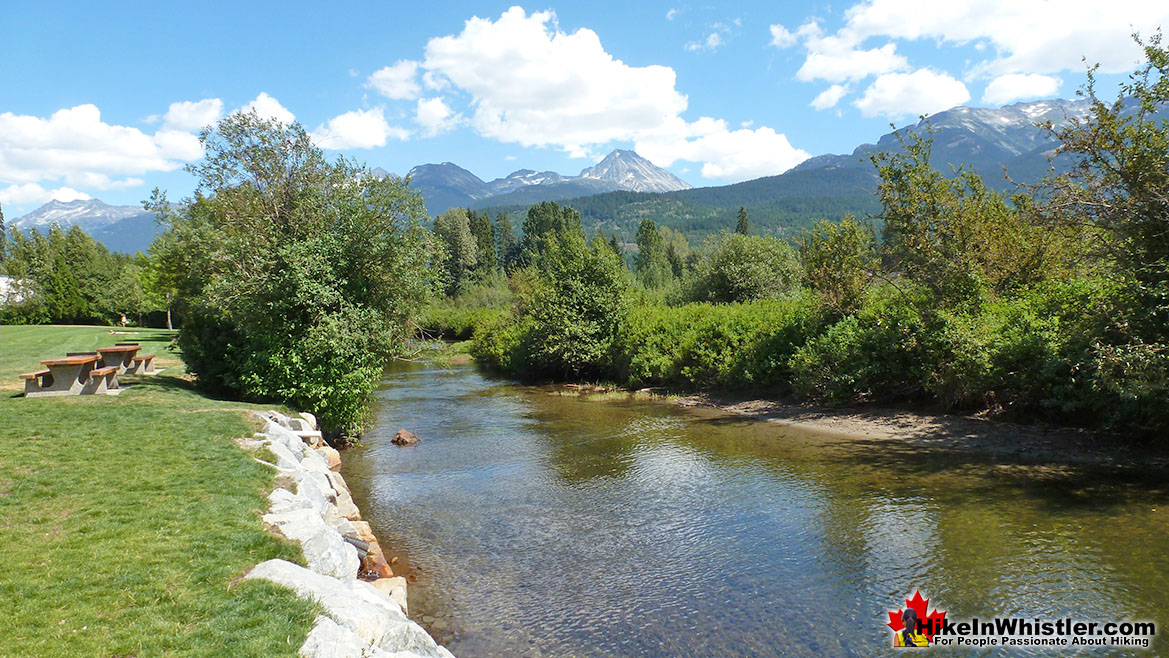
[(126, 521)]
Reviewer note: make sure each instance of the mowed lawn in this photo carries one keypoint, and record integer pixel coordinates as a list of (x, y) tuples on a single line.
[(126, 521)]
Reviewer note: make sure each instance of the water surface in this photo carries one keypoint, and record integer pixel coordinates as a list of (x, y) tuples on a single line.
[(535, 524)]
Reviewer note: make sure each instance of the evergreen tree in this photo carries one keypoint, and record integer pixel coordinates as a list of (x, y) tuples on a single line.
[(744, 226), (453, 229), (651, 264), (505, 241), (484, 241), (617, 247)]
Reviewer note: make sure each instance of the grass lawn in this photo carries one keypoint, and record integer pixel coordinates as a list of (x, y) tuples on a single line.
[(126, 521)]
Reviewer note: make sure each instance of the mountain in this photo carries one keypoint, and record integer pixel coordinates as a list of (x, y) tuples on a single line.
[(630, 171), (88, 214), (985, 139), (830, 186), (448, 185), (120, 228)]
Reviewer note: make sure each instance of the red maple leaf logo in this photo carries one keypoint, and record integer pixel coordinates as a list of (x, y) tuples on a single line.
[(931, 622)]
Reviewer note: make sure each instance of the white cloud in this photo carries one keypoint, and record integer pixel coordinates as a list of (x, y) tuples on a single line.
[(836, 60), (1028, 37), (270, 108), (190, 116), (530, 83), (535, 85), (924, 91), (75, 146), (397, 81), (733, 155), (829, 97), (435, 115), (711, 43), (1020, 86), (359, 129), (781, 37), (671, 14), (33, 193)]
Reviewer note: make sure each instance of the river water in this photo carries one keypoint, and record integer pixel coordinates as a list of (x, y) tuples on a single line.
[(537, 524)]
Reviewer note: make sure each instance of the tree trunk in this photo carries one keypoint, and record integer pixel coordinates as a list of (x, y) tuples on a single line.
[(169, 327)]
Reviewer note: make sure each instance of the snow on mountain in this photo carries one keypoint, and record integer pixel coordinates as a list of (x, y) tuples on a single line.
[(632, 172), (88, 214), (448, 185)]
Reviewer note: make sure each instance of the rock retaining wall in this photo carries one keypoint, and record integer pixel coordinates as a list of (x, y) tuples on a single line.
[(362, 619)]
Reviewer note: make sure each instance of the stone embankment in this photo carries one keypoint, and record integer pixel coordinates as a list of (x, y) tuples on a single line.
[(362, 618)]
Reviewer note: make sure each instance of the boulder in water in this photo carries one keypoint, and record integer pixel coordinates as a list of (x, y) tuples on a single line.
[(405, 438)]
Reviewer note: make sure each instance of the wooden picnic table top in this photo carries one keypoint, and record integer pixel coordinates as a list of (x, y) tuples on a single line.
[(71, 360), (120, 348)]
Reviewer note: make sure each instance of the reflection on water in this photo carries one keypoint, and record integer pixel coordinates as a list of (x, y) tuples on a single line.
[(541, 525)]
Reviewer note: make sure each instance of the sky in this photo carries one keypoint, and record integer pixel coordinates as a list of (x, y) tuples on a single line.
[(105, 100)]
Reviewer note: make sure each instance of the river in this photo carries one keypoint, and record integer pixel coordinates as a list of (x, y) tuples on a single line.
[(537, 524)]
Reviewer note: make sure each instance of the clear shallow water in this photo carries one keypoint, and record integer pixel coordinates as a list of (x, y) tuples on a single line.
[(544, 525)]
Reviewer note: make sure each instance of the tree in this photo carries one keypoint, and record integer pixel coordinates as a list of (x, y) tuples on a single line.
[(739, 268), (505, 242), (547, 221), (297, 277), (484, 242), (1120, 186), (839, 261), (651, 265), (617, 247), (461, 250), (744, 226), (953, 235), (576, 307)]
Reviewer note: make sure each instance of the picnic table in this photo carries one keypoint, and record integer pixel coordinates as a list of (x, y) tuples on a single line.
[(70, 375), (121, 356)]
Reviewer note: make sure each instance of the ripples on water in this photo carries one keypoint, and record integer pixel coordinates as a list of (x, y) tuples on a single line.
[(542, 525)]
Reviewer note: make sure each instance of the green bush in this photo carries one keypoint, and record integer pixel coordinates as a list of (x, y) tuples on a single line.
[(741, 268), (707, 345)]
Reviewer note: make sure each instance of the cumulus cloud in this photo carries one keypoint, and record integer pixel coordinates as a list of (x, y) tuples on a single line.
[(530, 83), (33, 193), (535, 85), (191, 116), (1027, 37), (359, 129), (829, 97), (398, 81), (74, 145), (726, 154), (435, 116), (1020, 86), (896, 95), (270, 108), (711, 43)]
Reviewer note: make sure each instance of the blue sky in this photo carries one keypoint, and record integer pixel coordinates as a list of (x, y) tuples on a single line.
[(103, 99)]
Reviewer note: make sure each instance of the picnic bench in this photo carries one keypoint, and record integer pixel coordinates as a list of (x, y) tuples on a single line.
[(87, 373)]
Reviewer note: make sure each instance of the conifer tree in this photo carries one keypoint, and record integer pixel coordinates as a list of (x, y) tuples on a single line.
[(744, 226)]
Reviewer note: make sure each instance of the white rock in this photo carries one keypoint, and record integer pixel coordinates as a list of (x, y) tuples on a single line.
[(367, 619), (327, 552), (310, 419), (283, 500), (328, 639), (285, 460)]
